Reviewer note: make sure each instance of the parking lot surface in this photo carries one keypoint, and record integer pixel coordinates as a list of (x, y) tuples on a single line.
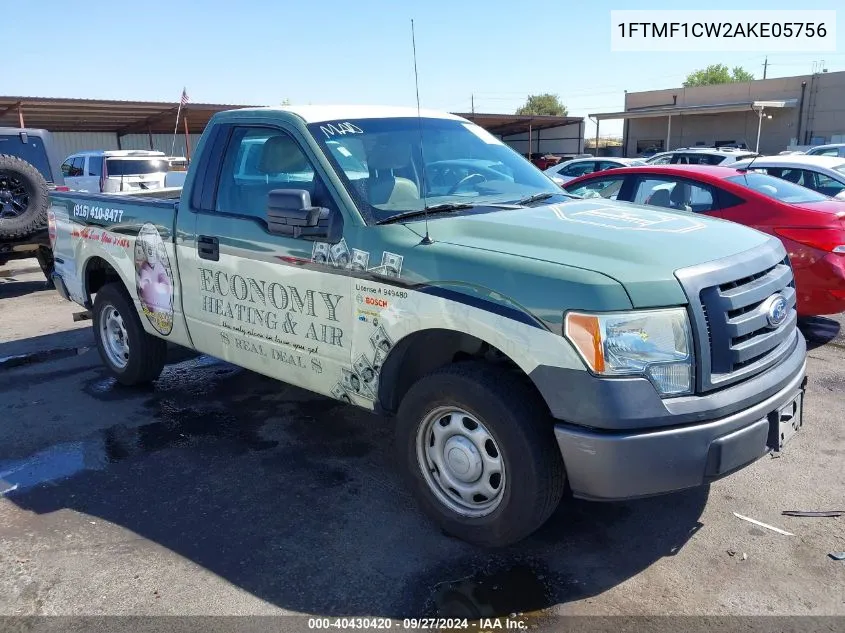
[(219, 491)]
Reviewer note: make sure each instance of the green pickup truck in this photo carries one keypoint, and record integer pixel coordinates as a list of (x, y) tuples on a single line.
[(410, 263)]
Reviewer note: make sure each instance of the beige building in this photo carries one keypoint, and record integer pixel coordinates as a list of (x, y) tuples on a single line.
[(789, 112)]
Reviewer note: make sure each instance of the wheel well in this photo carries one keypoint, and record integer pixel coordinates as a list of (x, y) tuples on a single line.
[(423, 352), (98, 273)]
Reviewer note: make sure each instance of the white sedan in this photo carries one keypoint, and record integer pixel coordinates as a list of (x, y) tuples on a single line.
[(564, 172), (825, 174)]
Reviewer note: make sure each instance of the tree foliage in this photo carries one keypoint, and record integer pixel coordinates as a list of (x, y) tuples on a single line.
[(717, 74), (543, 104)]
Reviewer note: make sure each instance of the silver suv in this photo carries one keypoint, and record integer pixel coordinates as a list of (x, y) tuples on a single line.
[(701, 156)]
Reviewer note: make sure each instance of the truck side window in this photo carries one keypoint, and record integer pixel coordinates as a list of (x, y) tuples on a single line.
[(256, 161), (66, 167)]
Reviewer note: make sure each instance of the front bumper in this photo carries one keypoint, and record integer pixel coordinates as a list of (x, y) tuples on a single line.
[(605, 464)]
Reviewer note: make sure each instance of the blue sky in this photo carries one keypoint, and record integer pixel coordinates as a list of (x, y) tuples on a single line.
[(264, 51)]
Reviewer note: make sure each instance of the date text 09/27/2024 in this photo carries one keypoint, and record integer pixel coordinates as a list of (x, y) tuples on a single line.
[(419, 624)]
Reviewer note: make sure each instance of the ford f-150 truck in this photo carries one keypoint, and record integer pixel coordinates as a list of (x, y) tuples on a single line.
[(412, 264)]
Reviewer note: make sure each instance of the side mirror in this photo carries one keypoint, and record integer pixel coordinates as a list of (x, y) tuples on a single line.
[(289, 212)]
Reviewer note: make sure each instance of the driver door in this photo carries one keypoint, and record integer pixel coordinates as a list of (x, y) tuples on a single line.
[(251, 296)]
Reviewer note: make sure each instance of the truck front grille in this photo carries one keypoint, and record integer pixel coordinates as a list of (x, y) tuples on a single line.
[(729, 302)]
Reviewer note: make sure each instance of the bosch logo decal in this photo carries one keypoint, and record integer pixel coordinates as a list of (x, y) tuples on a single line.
[(375, 301)]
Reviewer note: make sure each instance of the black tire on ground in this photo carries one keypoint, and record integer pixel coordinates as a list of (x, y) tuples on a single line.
[(519, 423), (23, 198), (147, 353), (45, 260)]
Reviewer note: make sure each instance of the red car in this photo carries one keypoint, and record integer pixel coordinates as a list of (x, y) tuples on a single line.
[(811, 225)]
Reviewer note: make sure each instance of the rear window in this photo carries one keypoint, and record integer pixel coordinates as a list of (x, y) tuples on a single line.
[(135, 166), (777, 188), (32, 152)]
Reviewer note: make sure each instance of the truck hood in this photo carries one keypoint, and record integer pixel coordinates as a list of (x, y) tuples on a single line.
[(640, 247)]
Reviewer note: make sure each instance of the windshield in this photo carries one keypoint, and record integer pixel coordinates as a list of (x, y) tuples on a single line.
[(136, 166), (348, 163), (380, 162), (32, 152), (778, 188)]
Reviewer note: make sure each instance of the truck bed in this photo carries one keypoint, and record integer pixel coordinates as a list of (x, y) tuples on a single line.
[(168, 193), (99, 205)]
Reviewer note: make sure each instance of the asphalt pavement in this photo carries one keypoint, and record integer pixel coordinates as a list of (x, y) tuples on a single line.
[(221, 492)]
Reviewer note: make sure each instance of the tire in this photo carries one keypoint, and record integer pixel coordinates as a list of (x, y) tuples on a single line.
[(23, 198), (46, 263), (506, 410), (144, 355)]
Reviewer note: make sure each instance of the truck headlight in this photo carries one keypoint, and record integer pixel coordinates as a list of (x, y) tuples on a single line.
[(656, 344)]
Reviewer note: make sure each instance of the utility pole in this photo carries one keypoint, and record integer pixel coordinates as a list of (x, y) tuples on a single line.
[(765, 66), (472, 100)]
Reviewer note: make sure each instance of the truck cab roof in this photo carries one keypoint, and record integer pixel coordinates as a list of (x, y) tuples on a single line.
[(321, 113)]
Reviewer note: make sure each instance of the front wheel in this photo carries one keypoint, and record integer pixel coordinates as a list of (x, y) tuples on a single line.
[(131, 355), (478, 449)]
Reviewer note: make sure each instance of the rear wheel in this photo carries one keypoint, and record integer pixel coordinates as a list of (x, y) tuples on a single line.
[(478, 449), (131, 355)]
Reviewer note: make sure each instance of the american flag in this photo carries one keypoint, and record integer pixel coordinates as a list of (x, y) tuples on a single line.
[(184, 100)]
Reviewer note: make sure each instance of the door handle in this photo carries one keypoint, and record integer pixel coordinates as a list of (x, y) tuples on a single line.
[(208, 247)]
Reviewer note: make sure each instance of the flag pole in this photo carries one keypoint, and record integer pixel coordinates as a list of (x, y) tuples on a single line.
[(176, 128), (187, 139)]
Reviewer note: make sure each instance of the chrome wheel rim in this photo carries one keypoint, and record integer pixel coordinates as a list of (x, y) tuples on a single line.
[(461, 462), (114, 337)]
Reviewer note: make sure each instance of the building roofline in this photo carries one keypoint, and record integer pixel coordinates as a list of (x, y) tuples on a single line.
[(710, 108)]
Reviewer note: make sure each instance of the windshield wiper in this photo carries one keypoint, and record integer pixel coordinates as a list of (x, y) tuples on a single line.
[(446, 207), (535, 198)]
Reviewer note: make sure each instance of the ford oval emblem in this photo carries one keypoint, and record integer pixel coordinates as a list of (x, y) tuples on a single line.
[(776, 310)]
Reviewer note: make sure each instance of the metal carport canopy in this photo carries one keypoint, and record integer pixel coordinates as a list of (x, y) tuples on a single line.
[(125, 117), (98, 115), (512, 124), (709, 108)]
